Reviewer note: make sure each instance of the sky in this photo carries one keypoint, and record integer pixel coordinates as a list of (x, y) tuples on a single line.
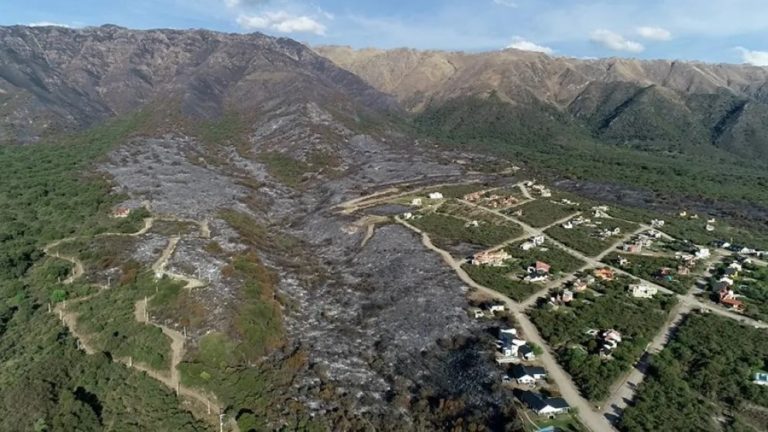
[(727, 31)]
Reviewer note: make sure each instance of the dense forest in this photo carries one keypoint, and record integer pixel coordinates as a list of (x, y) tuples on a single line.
[(702, 381)]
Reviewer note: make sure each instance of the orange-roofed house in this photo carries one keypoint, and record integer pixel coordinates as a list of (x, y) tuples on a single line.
[(605, 274)]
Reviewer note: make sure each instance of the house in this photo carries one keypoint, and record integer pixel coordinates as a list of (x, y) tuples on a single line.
[(407, 216), (491, 258), (612, 335), (567, 296), (579, 285), (761, 378), (541, 267), (527, 246), (435, 196), (642, 291), (496, 308), (728, 298), (526, 353), (527, 374), (711, 221), (473, 197), (683, 214), (633, 248), (472, 224), (546, 193), (121, 212), (731, 272), (709, 227), (605, 274), (542, 405), (477, 313), (536, 277), (416, 202), (599, 214), (538, 240), (702, 253), (568, 225), (623, 261), (683, 270), (657, 223)]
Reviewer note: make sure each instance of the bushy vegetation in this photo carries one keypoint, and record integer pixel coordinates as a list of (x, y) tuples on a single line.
[(702, 376), (47, 384), (565, 328), (543, 212), (108, 321), (588, 239), (503, 280), (649, 268), (447, 230)]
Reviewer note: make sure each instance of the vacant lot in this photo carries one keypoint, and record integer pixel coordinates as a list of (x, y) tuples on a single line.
[(448, 230), (542, 212), (650, 268), (502, 279), (610, 307), (587, 237), (702, 380), (560, 260)]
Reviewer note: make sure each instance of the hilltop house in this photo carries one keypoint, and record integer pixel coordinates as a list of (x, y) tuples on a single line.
[(491, 258), (642, 291), (542, 405), (527, 374)]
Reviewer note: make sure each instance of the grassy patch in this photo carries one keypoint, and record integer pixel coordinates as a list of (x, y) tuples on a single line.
[(588, 239), (559, 260), (542, 212), (503, 280), (649, 268), (449, 230)]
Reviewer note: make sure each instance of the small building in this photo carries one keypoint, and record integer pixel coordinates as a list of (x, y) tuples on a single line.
[(761, 378), (407, 216), (709, 227), (612, 335), (543, 406), (579, 285), (538, 240), (568, 225), (728, 298), (472, 224), (491, 258), (436, 196), (527, 374), (605, 274), (546, 193), (703, 253), (542, 267), (567, 296), (526, 353), (121, 212), (623, 261), (477, 313), (657, 223), (642, 291), (416, 202), (526, 246), (497, 308), (633, 248)]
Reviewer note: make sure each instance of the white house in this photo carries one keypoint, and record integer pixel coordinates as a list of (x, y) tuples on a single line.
[(528, 374), (642, 291), (761, 378), (435, 196), (416, 202), (703, 253), (527, 246), (538, 240), (657, 223), (497, 308), (407, 216)]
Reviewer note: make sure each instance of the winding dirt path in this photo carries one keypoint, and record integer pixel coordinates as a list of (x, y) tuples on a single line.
[(171, 378)]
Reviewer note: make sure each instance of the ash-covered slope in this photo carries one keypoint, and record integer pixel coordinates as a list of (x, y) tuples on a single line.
[(54, 79)]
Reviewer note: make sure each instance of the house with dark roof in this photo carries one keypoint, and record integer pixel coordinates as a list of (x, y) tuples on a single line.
[(542, 405), (526, 353), (527, 374)]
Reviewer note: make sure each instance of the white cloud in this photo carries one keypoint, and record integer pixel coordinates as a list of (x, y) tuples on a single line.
[(282, 22), (615, 41), (654, 33), (755, 58), (48, 24), (526, 45), (507, 3)]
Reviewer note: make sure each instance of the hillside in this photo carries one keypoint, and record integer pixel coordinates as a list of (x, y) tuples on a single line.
[(682, 107), (54, 79)]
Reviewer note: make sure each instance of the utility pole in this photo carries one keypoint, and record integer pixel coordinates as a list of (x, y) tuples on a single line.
[(221, 422)]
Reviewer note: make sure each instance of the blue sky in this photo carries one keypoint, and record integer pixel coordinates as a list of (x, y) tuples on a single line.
[(732, 31)]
